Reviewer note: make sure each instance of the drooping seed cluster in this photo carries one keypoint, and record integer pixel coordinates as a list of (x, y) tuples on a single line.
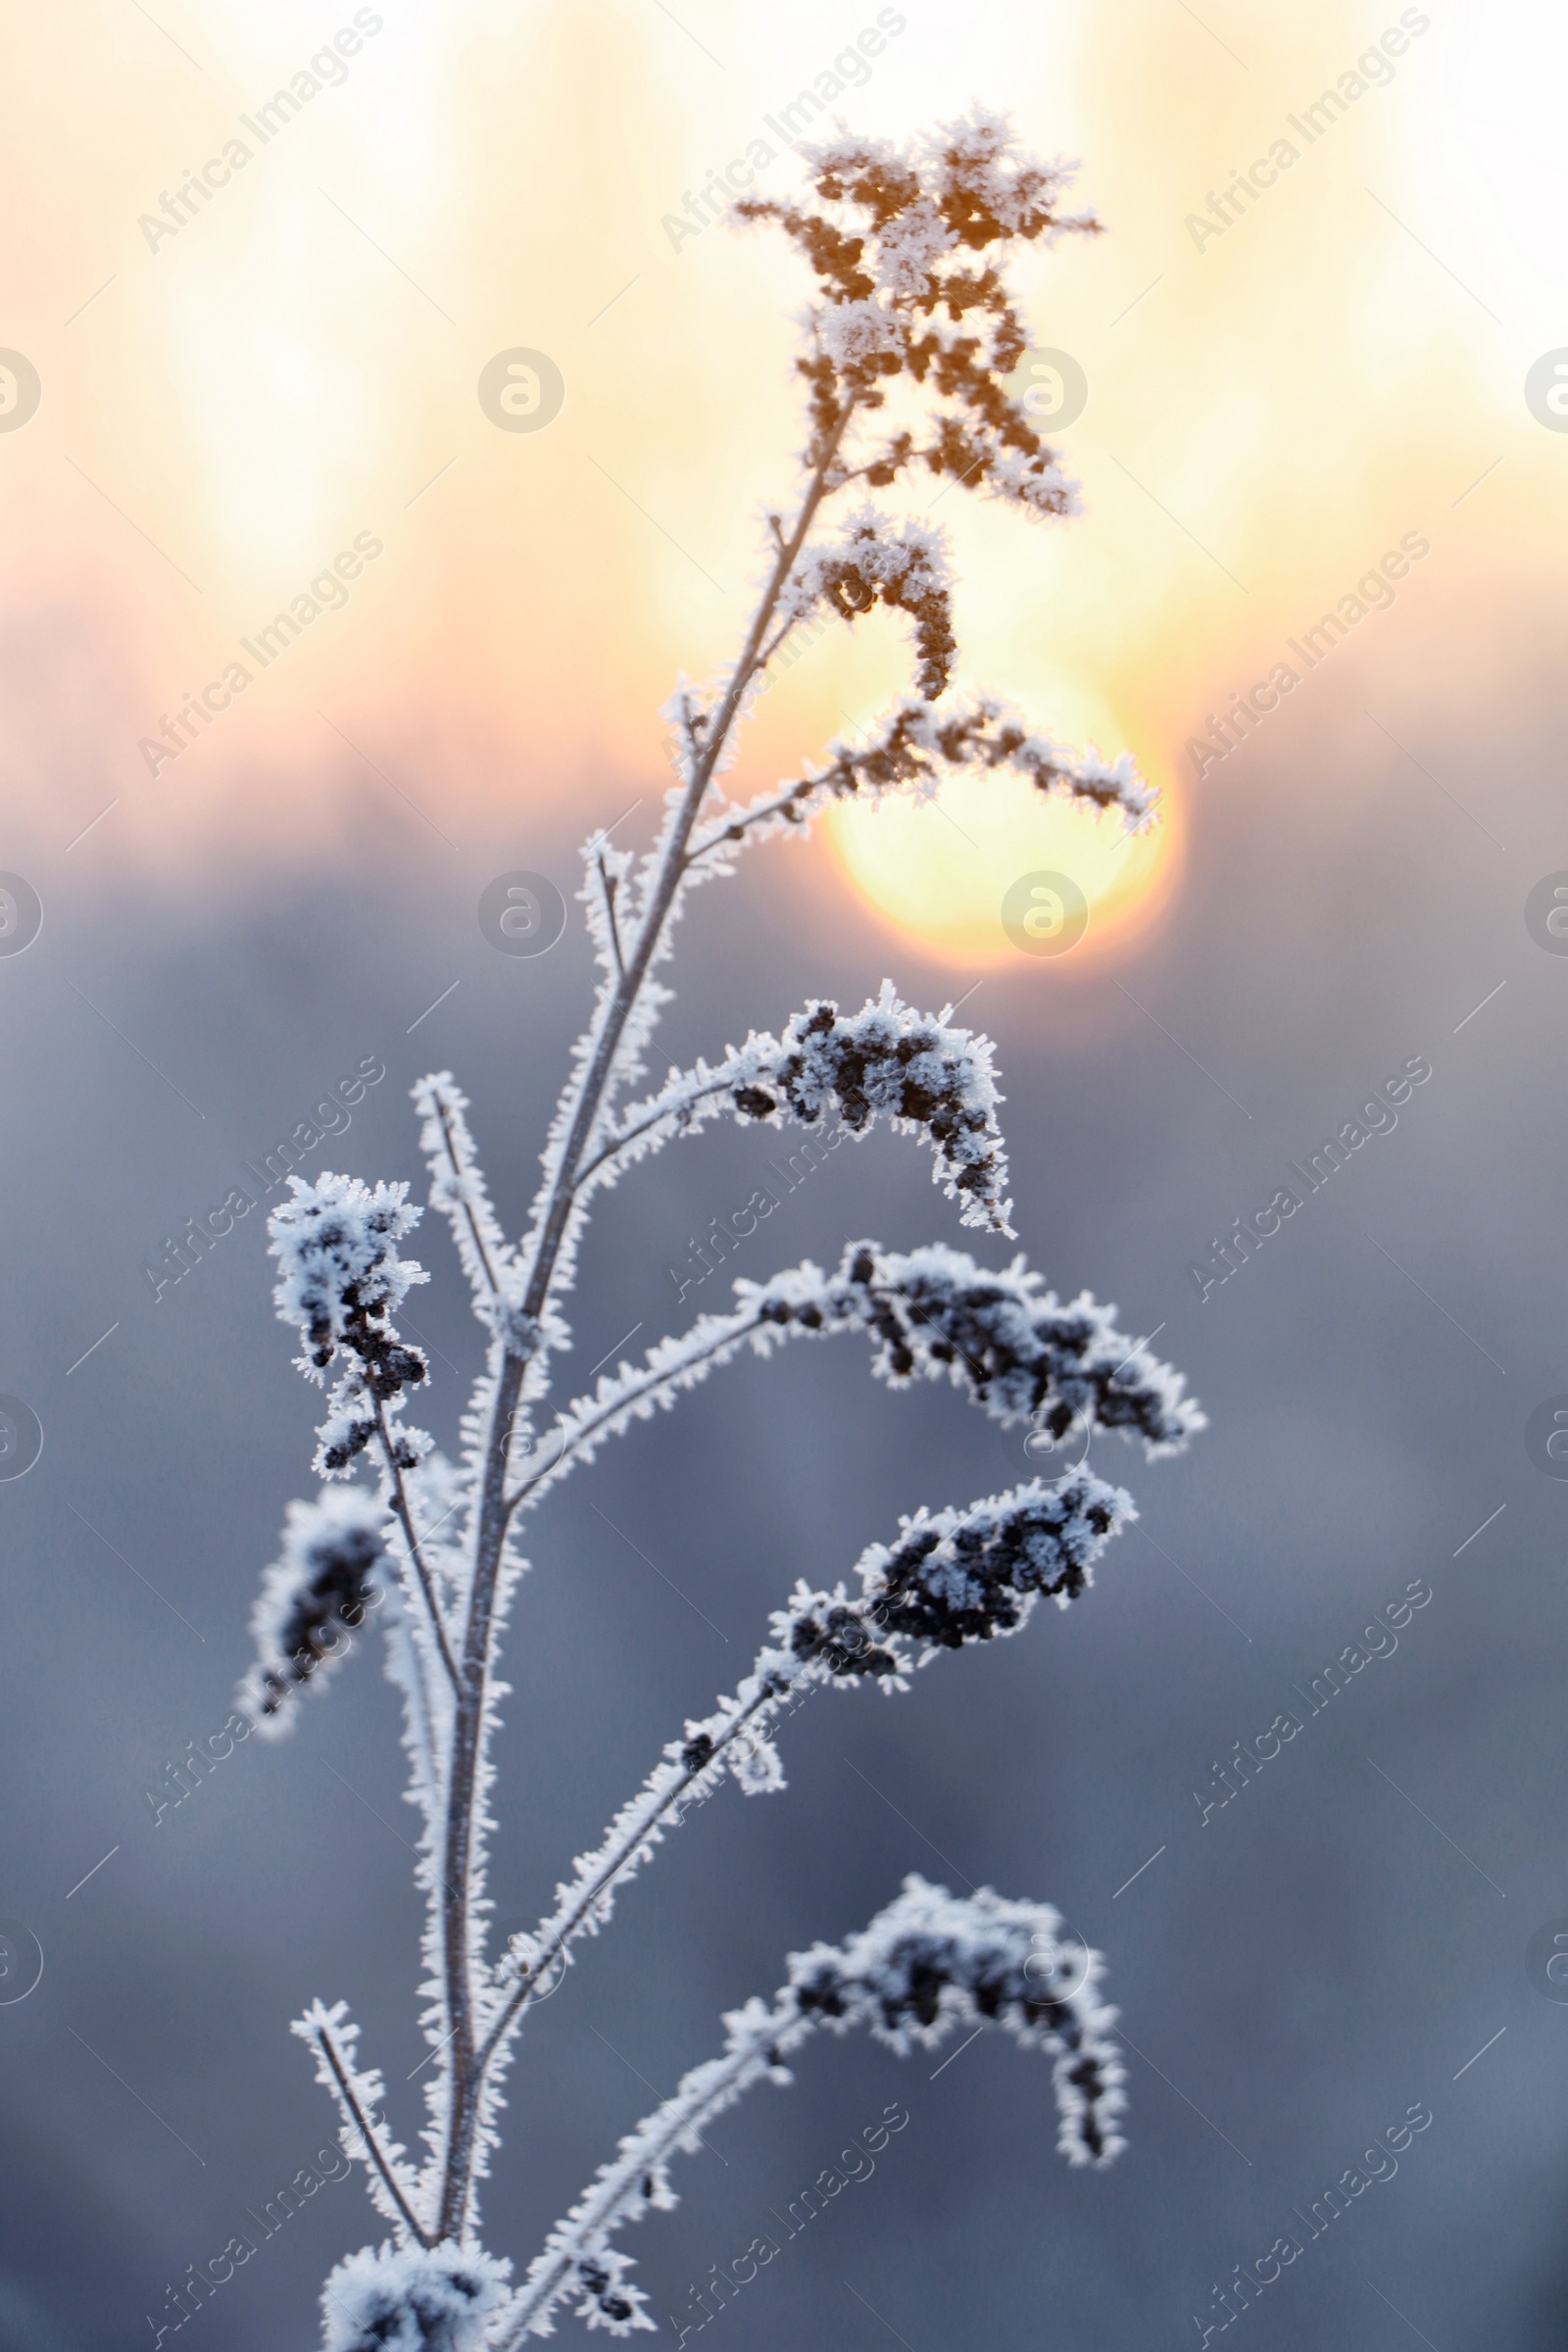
[(887, 1061), (932, 1963), (1020, 1352), (317, 1593), (902, 566)]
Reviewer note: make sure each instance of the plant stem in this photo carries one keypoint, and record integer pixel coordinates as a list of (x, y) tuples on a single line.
[(734, 1330), (460, 1171), (628, 1135), (346, 2092), (404, 1518), (652, 1814), (598, 2207), (495, 1509)]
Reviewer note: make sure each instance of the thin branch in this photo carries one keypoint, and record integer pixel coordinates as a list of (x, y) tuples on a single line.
[(926, 1966), (952, 1579), (734, 1328), (743, 819), (494, 1516), (554, 1226), (405, 1519), (609, 888), (651, 2147), (915, 743), (349, 2101), (791, 621), (565, 1930), (628, 1135), (459, 1171)]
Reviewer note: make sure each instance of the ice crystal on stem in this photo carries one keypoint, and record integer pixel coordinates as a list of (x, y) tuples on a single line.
[(910, 340)]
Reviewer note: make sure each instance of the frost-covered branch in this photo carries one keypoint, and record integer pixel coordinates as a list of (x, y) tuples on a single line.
[(608, 1054), (885, 1061), (930, 1963), (911, 340), (951, 1579), (911, 749), (672, 1365), (1016, 1350), (358, 2094), (608, 884), (457, 1189), (691, 1769), (403, 1509)]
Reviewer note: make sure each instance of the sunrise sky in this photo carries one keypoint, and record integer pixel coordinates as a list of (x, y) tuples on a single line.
[(1330, 392), (225, 409)]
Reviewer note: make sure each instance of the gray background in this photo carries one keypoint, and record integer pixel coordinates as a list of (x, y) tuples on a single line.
[(1295, 1973)]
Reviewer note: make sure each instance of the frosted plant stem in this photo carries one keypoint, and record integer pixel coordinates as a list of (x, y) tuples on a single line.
[(350, 2107), (677, 2120), (404, 1518), (583, 1903), (731, 1329), (629, 1135), (906, 257), (495, 1509), (457, 1170)]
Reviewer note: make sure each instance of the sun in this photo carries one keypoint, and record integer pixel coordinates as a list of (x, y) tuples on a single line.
[(1074, 884)]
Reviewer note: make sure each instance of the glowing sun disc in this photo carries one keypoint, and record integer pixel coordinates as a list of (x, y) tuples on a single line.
[(940, 870)]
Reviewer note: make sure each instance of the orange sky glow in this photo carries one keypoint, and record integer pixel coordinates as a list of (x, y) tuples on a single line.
[(290, 378)]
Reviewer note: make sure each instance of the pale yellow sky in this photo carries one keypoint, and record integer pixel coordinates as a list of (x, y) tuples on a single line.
[(227, 408)]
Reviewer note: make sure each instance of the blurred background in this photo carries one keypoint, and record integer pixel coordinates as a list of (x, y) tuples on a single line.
[(202, 420)]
